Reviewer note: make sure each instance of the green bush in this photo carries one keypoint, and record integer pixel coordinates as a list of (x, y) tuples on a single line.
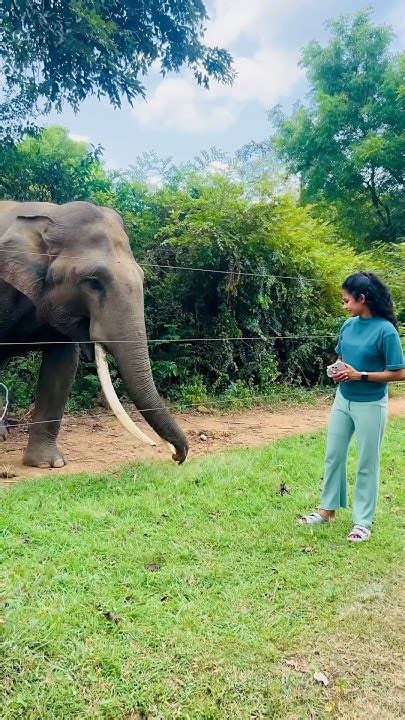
[(21, 376), (210, 224)]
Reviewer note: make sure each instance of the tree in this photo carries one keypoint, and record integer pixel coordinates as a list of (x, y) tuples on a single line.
[(51, 167), (54, 51), (254, 164), (348, 144)]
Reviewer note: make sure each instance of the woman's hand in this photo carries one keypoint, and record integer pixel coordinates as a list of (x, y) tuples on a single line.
[(348, 374)]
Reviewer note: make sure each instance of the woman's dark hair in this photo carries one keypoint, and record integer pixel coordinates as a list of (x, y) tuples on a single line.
[(378, 297)]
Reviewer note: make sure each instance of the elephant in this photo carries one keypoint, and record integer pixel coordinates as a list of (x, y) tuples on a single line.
[(68, 279)]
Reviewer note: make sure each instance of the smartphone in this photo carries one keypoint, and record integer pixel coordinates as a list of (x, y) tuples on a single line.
[(331, 369)]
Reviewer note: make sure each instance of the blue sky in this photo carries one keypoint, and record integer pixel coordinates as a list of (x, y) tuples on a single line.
[(180, 119)]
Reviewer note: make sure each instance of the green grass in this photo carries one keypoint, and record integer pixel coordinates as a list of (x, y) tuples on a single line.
[(165, 592), (240, 397)]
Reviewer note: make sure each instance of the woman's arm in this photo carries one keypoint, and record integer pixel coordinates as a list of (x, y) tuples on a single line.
[(349, 373), (393, 360), (385, 376)]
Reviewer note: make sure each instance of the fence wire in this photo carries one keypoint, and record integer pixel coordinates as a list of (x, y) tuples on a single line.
[(266, 338), (207, 404), (230, 271)]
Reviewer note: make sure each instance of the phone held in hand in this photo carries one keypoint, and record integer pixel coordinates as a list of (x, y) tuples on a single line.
[(336, 367)]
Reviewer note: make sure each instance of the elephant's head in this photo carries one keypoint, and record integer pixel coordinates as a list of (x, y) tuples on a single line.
[(75, 264)]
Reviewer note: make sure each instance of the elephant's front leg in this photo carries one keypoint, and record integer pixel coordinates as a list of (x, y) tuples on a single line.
[(58, 369), (3, 426)]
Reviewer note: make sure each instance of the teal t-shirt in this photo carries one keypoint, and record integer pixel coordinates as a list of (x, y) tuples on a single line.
[(370, 345)]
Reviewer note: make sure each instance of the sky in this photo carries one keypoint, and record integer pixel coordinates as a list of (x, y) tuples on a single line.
[(180, 119)]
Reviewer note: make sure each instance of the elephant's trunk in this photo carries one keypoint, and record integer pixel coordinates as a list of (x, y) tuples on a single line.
[(134, 366)]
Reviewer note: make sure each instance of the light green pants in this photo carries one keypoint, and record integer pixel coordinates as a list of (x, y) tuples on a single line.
[(367, 420)]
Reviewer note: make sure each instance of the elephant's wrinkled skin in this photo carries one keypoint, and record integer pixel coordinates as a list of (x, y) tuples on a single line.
[(67, 273)]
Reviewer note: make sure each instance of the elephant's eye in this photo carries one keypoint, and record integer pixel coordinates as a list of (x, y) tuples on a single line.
[(92, 284)]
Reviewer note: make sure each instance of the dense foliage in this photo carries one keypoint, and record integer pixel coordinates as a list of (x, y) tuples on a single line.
[(50, 167), (62, 52), (347, 144), (210, 224)]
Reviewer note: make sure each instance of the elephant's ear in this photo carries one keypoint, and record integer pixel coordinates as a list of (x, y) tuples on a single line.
[(26, 251), (114, 215)]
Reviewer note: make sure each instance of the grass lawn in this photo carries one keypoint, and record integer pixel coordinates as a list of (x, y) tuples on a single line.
[(165, 592)]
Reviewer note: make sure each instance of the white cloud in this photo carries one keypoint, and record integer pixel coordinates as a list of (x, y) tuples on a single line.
[(178, 103), (232, 19), (264, 76)]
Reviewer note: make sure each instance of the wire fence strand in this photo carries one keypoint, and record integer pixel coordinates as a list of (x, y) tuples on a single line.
[(265, 338), (163, 341), (190, 268), (178, 409), (230, 271)]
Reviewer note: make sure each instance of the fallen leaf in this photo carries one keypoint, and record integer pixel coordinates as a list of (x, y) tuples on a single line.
[(298, 665), (308, 549), (319, 677)]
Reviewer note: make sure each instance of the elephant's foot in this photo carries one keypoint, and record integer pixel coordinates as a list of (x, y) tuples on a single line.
[(3, 430), (44, 456)]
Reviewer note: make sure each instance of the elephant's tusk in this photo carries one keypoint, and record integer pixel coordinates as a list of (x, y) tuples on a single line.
[(112, 399)]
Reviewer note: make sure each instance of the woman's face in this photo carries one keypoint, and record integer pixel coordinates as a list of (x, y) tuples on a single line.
[(353, 307)]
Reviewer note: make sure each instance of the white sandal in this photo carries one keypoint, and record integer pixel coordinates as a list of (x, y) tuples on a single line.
[(359, 534), (312, 519)]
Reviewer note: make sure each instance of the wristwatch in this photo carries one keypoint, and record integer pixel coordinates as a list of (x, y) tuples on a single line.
[(364, 376)]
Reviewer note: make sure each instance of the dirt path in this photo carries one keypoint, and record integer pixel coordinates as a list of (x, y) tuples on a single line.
[(94, 441)]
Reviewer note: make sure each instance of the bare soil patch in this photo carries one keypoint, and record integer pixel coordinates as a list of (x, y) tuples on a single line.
[(94, 441)]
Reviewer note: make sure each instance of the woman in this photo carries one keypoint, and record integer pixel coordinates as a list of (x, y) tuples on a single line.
[(370, 348)]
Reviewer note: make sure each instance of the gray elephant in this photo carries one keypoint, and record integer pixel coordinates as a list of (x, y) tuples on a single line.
[(67, 275)]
